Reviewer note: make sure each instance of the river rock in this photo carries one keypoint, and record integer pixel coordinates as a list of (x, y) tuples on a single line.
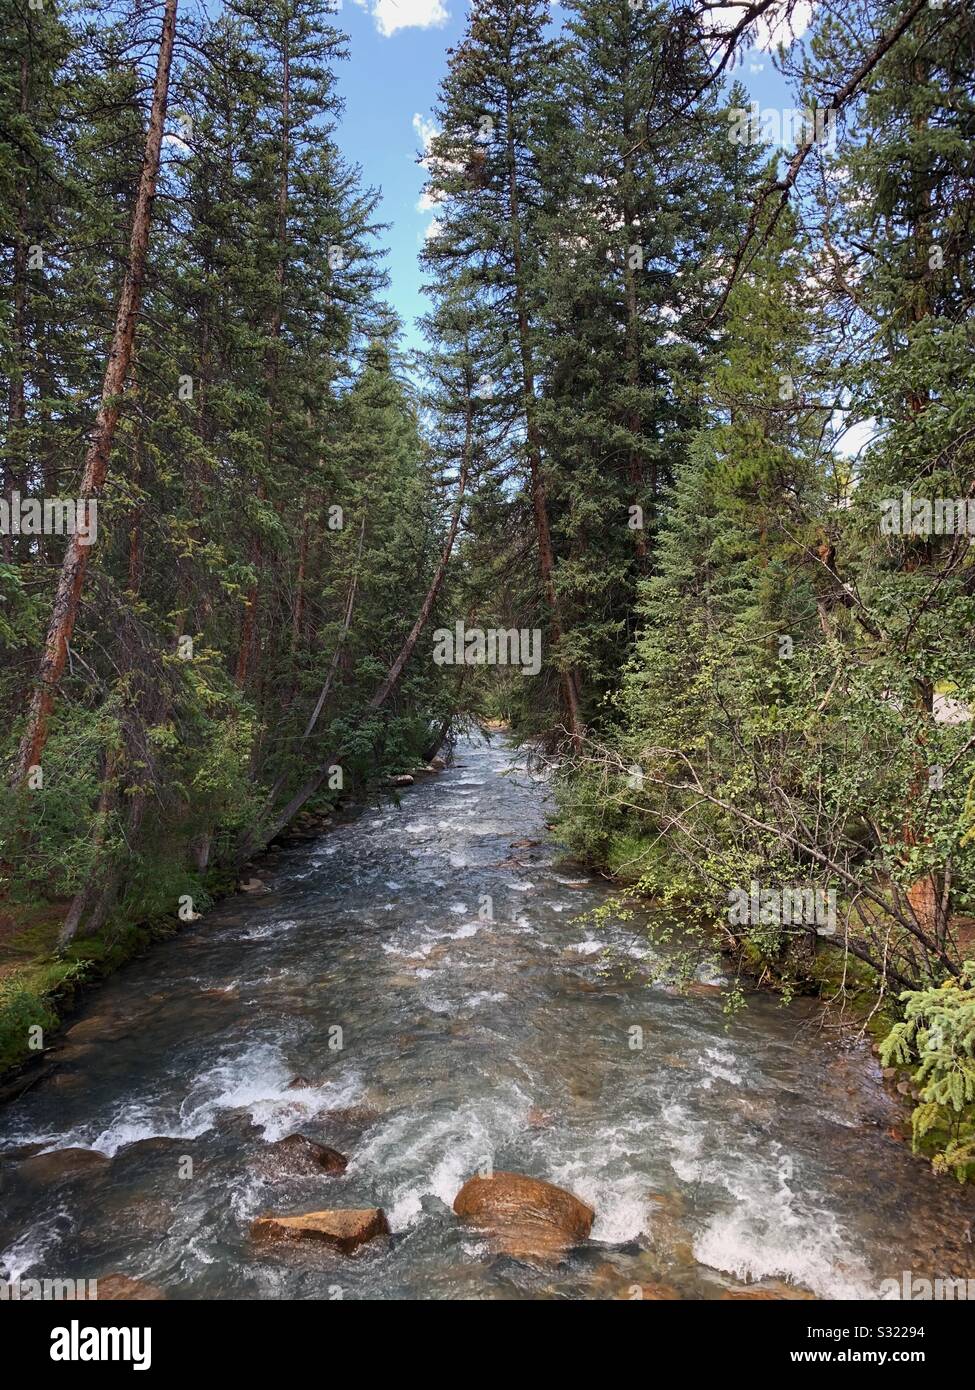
[(350, 1120), (438, 764), (62, 1164), (127, 1217), (122, 1287), (299, 1156), (251, 885), (649, 1293), (18, 1154), (525, 1216), (72, 1051), (776, 1289), (98, 1026), (343, 1229)]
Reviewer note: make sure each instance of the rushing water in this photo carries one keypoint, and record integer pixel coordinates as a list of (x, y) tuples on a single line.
[(717, 1154)]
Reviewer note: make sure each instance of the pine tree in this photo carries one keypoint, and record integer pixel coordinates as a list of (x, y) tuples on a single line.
[(485, 176)]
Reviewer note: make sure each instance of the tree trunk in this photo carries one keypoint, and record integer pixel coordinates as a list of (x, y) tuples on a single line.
[(333, 668), (249, 626), (67, 598), (15, 476), (568, 677), (253, 839)]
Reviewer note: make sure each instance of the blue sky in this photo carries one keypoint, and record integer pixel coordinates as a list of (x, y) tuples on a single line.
[(398, 57)]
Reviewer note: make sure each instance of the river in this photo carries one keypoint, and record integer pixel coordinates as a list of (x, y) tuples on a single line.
[(428, 981)]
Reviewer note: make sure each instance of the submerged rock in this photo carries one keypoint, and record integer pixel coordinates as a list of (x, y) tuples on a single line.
[(21, 1152), (299, 1156), (349, 1120), (62, 1164), (344, 1230), (121, 1286), (525, 1217), (98, 1026), (655, 1293), (775, 1291), (155, 1145)]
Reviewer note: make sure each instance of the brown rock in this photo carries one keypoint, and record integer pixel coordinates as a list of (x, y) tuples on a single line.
[(300, 1156), (776, 1289), (120, 1286), (251, 885), (344, 1230), (72, 1052), (749, 1293), (352, 1119), (127, 1216), (21, 1152), (666, 1229), (525, 1216), (155, 1144), (95, 1027), (656, 1293), (437, 764), (62, 1164)]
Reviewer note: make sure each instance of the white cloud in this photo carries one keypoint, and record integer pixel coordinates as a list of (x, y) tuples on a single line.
[(425, 129), (772, 28), (857, 437), (391, 15)]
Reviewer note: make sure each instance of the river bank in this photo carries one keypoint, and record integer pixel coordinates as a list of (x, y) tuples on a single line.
[(43, 985), (424, 991)]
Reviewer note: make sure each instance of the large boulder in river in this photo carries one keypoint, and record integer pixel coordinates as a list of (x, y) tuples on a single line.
[(299, 1156), (525, 1217), (344, 1230)]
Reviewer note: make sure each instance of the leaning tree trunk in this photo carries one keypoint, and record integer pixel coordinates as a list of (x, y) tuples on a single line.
[(323, 694), (67, 599), (254, 838)]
